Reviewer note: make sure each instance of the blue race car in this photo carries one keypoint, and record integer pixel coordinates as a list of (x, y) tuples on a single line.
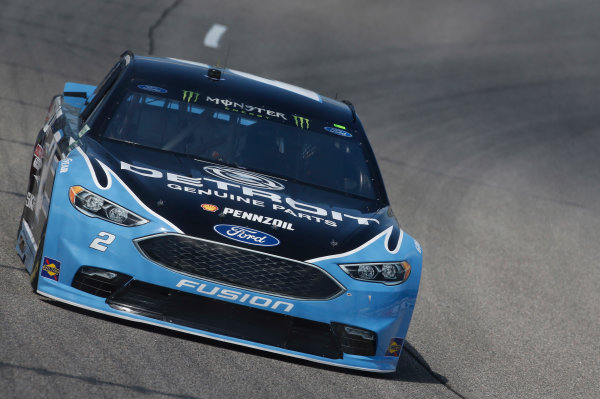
[(224, 205)]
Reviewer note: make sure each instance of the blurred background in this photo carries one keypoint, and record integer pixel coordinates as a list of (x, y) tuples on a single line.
[(484, 117)]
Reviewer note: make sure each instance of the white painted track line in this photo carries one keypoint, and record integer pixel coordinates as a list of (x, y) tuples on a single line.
[(214, 35)]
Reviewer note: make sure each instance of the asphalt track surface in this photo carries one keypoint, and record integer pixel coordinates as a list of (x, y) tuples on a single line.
[(485, 119)]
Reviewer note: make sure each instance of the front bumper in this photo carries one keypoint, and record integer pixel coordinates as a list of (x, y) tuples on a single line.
[(156, 295)]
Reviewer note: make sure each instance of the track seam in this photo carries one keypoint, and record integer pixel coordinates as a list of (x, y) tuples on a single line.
[(433, 374), (160, 20)]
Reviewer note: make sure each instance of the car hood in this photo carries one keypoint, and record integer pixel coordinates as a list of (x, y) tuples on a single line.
[(242, 208)]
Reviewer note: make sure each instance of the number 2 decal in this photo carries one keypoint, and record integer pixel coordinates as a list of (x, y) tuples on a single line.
[(100, 243)]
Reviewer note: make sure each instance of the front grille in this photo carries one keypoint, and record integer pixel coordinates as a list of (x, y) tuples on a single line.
[(239, 267), (229, 319)]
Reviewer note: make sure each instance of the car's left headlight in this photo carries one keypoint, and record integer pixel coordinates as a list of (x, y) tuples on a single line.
[(95, 206), (384, 272)]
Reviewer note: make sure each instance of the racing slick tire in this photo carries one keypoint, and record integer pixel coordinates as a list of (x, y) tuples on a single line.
[(35, 271)]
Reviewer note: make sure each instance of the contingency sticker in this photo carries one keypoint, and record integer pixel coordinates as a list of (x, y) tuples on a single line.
[(210, 207), (395, 347), (38, 156), (51, 269)]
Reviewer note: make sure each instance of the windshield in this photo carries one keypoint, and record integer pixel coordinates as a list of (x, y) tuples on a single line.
[(230, 136)]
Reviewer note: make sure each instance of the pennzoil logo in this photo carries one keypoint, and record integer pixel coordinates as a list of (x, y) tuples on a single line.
[(51, 269), (189, 95), (395, 347), (301, 122), (258, 218), (210, 207)]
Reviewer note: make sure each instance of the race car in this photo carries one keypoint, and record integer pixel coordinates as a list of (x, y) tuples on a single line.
[(221, 204)]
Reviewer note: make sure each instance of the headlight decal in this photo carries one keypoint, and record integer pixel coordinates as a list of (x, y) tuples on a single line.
[(387, 233), (93, 172)]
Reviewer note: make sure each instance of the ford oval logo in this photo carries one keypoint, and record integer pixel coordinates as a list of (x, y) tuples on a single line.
[(246, 235), (337, 131), (153, 89)]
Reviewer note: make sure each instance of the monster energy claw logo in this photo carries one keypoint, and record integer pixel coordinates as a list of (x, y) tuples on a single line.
[(302, 123), (188, 95)]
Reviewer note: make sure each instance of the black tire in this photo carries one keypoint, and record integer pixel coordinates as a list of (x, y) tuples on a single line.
[(37, 261)]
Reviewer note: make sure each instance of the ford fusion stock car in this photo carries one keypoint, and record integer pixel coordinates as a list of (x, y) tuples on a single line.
[(220, 204)]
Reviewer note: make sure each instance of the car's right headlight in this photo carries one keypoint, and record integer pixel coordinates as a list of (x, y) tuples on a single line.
[(381, 272), (95, 206)]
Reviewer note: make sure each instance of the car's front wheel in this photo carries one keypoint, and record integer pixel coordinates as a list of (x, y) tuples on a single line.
[(37, 261)]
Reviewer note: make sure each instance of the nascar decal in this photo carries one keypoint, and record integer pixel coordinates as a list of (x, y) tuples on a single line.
[(258, 218), (51, 269), (245, 177), (249, 195), (246, 235), (38, 156), (395, 347)]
